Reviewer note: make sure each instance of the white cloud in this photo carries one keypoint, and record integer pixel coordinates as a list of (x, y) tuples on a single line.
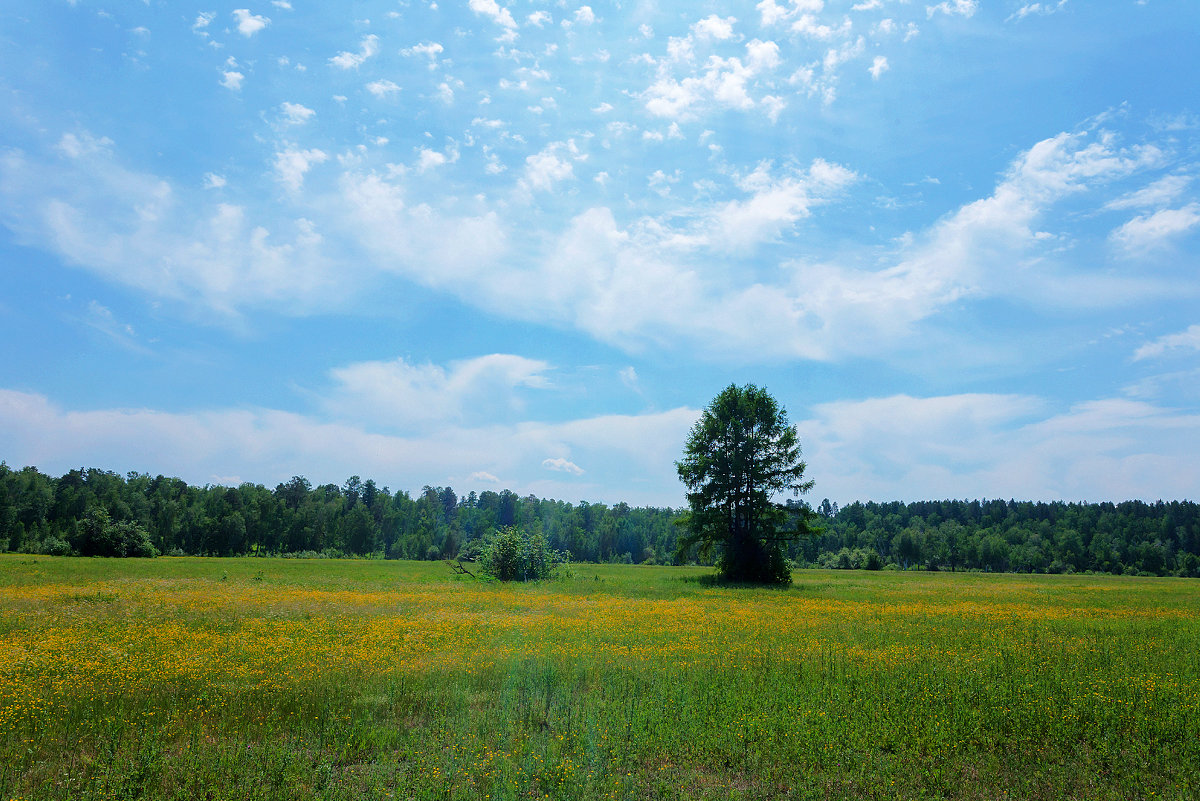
[(137, 230), (291, 165), (773, 13), (593, 274), (1159, 193), (203, 20), (725, 82), (962, 8), (249, 24), (562, 465), (808, 26), (584, 15), (284, 4), (544, 169), (232, 80), (399, 395), (367, 48), (979, 446), (429, 159), (878, 67), (899, 447), (714, 27), (382, 88), (1151, 232), (1036, 8), (1184, 340), (539, 18), (493, 10), (295, 114), (269, 446), (775, 203), (102, 319), (430, 50), (213, 181), (414, 240)]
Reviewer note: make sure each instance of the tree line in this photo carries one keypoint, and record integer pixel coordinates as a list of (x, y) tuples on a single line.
[(91, 511)]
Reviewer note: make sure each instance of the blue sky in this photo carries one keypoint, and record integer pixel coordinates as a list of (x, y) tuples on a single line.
[(521, 244)]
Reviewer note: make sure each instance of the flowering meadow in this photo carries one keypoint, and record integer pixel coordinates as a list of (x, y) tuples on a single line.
[(269, 678)]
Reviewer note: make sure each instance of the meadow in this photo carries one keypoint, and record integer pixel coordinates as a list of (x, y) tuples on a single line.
[(267, 678)]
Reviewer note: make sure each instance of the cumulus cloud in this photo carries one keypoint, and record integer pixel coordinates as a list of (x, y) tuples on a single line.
[(292, 163), (1158, 193), (494, 11), (295, 114), (1187, 340), (400, 395), (1147, 233), (714, 27), (562, 465), (139, 230), (809, 27), (772, 13), (430, 50), (429, 159), (898, 447), (249, 24), (774, 202), (367, 48), (441, 251), (595, 273), (878, 67), (977, 446), (1041, 9), (382, 88), (961, 8), (544, 169), (723, 82), (232, 80), (269, 446)]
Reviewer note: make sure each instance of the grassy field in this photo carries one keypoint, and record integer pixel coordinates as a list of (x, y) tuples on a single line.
[(209, 678)]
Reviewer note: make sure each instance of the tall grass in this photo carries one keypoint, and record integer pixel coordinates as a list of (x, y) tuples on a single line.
[(187, 678)]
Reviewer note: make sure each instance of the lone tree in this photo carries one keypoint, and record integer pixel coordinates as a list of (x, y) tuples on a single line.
[(739, 456)]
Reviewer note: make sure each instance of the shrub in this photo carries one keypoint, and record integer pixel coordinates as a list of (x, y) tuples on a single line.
[(511, 554), (102, 537), (54, 546)]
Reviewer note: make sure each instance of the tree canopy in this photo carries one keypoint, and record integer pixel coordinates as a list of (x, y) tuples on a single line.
[(739, 456)]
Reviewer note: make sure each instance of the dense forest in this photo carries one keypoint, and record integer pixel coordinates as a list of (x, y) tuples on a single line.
[(90, 511)]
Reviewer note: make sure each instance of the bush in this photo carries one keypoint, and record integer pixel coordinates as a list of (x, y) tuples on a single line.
[(511, 554), (53, 546), (102, 537), (846, 559)]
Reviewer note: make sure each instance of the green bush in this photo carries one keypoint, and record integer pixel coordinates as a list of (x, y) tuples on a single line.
[(511, 554), (102, 537)]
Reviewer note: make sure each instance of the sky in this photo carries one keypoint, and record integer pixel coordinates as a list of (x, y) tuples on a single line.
[(522, 244)]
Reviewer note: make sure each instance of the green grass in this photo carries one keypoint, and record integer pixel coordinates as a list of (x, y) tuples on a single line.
[(262, 678)]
